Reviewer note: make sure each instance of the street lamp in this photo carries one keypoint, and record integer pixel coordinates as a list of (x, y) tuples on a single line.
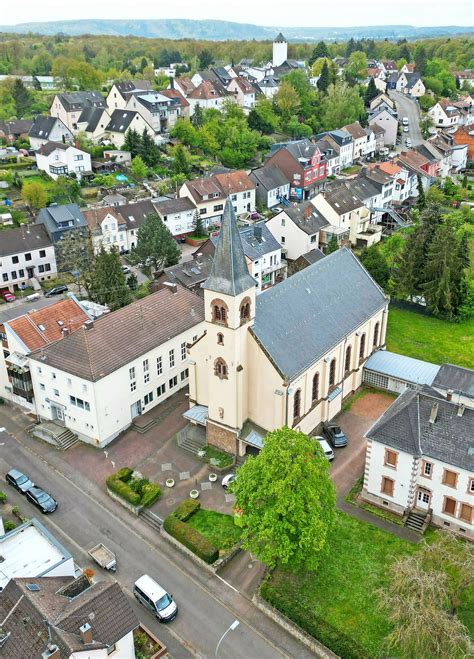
[(233, 626)]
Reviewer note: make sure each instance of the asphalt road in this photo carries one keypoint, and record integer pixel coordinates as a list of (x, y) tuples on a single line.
[(207, 606), (20, 306), (408, 107)]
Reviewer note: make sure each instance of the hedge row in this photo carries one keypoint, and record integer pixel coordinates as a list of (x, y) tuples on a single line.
[(191, 539), (123, 490), (313, 624), (150, 493), (186, 509)]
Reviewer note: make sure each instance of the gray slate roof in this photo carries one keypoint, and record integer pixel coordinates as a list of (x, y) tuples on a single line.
[(229, 273), (405, 426), (23, 239), (79, 100), (54, 216), (306, 217), (269, 177), (92, 116), (313, 256), (341, 198), (120, 120), (257, 240), (363, 188), (301, 319), (42, 126), (460, 380), (170, 206)]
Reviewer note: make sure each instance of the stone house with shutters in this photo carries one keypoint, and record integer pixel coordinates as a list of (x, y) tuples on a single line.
[(288, 356), (420, 460)]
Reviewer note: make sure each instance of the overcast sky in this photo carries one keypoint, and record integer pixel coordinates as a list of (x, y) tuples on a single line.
[(312, 13)]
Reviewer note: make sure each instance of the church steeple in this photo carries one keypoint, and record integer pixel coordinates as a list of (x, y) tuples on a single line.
[(229, 272)]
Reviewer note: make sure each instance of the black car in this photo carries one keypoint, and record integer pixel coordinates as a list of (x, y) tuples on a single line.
[(19, 481), (335, 435), (41, 500), (56, 290)]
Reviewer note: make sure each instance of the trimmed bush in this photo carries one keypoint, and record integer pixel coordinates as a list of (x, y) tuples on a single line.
[(8, 525), (313, 624), (186, 509), (3, 497), (124, 474), (123, 490), (191, 539), (150, 493)]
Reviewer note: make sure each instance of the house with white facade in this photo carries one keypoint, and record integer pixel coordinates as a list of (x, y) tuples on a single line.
[(297, 229), (208, 95), (272, 187), (330, 150), (93, 121), (179, 215), (98, 379), (419, 461), (27, 256), (159, 111), (58, 159), (123, 120), (120, 93), (388, 121), (45, 129), (107, 227), (243, 92), (69, 106), (371, 144), (444, 115), (411, 84), (343, 139), (359, 138)]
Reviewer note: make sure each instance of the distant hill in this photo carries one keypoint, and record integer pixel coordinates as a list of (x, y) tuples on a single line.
[(225, 30)]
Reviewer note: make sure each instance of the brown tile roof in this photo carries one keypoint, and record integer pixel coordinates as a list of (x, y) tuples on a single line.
[(175, 93), (201, 187), (233, 182), (186, 84), (124, 335), (67, 314), (389, 168), (244, 85), (94, 216), (206, 91), (355, 130)]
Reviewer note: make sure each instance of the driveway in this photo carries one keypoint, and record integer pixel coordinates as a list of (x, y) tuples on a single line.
[(408, 107), (349, 461)]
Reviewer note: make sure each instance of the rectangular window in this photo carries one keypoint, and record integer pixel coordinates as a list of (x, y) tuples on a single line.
[(184, 374), (146, 366), (449, 506), (42, 387), (148, 398), (42, 253), (133, 385), (173, 382), (171, 357), (161, 390), (146, 378), (470, 486), (450, 478), (183, 351), (15, 259), (56, 392), (391, 458), (427, 469), (159, 365), (387, 486), (282, 240), (282, 221), (465, 513), (78, 402), (21, 272), (41, 268), (5, 276), (47, 267), (28, 257), (13, 274), (218, 207), (131, 372)]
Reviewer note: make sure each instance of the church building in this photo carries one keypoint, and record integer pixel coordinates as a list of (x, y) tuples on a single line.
[(287, 357)]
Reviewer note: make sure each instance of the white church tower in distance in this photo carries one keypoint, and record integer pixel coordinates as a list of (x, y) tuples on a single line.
[(222, 353), (280, 50)]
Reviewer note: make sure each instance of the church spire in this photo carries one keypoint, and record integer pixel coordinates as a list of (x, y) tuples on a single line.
[(229, 272)]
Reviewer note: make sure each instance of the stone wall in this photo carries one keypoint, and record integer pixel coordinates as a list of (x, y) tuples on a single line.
[(222, 438)]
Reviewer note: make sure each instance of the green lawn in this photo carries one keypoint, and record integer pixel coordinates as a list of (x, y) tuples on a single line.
[(342, 592), (430, 339), (216, 527)]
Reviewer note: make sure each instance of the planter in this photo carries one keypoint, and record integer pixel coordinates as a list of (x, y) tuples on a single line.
[(147, 643), (170, 482), (212, 477), (195, 242), (194, 494)]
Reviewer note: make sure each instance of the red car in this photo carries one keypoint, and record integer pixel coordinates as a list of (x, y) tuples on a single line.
[(7, 296)]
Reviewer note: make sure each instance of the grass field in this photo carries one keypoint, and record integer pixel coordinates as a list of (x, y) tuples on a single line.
[(343, 591), (430, 339), (216, 527)]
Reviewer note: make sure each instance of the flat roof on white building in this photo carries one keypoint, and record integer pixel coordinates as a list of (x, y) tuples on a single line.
[(402, 367), (29, 551)]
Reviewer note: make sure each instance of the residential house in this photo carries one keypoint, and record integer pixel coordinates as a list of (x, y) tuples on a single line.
[(120, 93), (439, 163), (419, 460), (58, 159), (47, 83), (427, 163), (93, 121), (287, 357), (304, 261), (371, 144), (217, 74), (269, 86), (243, 92), (384, 100), (379, 133), (118, 156), (444, 115), (388, 66), (359, 139), (455, 383), (401, 190), (345, 146), (271, 186), (58, 220), (123, 120), (26, 254), (29, 332), (378, 76), (384, 118), (465, 79), (45, 129), (114, 199), (297, 229), (190, 274), (134, 215), (159, 111), (411, 84), (77, 382), (369, 194), (330, 151), (383, 181), (183, 107), (240, 188), (208, 95), (14, 129), (392, 80), (183, 85), (412, 165), (302, 163), (408, 68), (59, 617), (107, 227), (179, 215), (347, 217), (68, 107), (464, 136)]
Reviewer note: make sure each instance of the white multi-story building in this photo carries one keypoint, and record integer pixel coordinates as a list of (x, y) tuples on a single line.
[(178, 215), (419, 460), (26, 253), (99, 378), (58, 159), (297, 229)]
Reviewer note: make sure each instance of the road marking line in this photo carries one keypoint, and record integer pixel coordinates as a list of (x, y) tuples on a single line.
[(227, 583)]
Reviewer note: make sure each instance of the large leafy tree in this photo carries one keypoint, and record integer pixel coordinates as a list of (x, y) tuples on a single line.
[(423, 596), (287, 100), (139, 169), (106, 280), (356, 68), (288, 500), (342, 105), (181, 160), (262, 117), (34, 194), (156, 248), (75, 254), (321, 50)]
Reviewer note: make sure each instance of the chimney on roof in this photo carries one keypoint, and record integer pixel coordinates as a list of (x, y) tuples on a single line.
[(86, 633), (64, 331), (171, 286), (461, 409), (449, 394), (89, 324), (52, 652), (434, 414), (307, 212)]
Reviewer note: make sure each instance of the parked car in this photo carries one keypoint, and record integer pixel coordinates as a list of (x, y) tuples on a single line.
[(149, 593), (409, 144), (126, 269), (7, 296), (41, 500), (335, 435), (328, 452), (56, 290), (405, 121), (228, 480), (19, 481), (406, 129)]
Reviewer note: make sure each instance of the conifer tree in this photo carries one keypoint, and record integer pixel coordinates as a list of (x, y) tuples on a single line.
[(324, 79), (371, 92), (107, 284), (421, 200)]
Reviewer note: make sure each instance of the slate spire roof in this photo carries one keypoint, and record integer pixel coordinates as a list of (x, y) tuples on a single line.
[(229, 273)]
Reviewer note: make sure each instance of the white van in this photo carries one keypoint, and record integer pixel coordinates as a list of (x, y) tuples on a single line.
[(328, 452), (405, 121), (149, 593), (408, 143)]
